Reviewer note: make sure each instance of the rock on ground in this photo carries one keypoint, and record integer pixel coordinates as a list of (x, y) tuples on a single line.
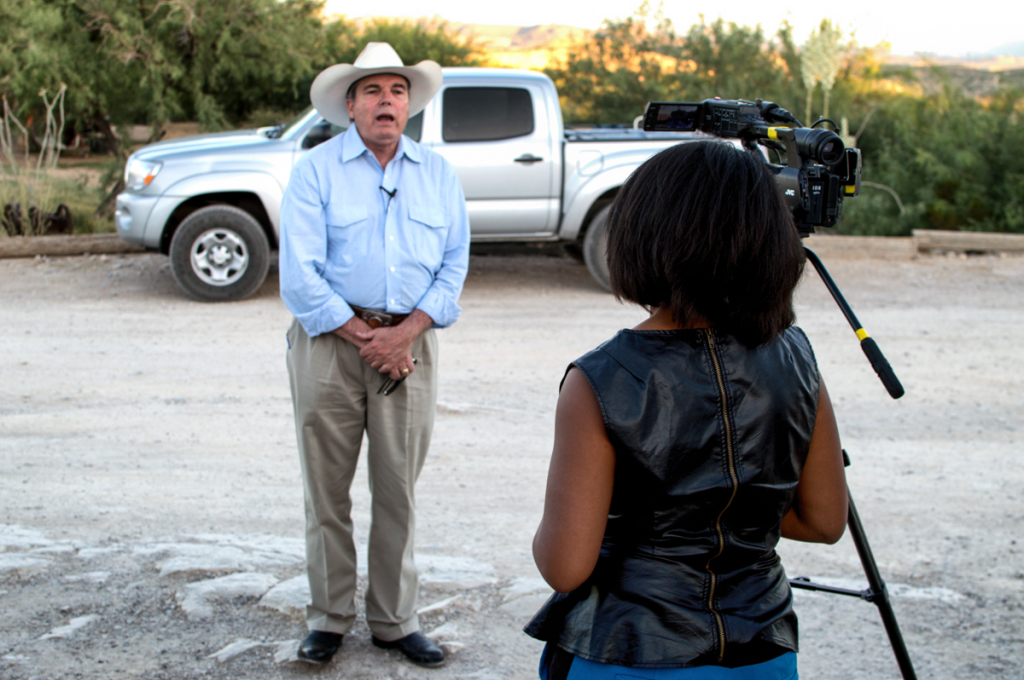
[(236, 648), (72, 626), (196, 599), (289, 597)]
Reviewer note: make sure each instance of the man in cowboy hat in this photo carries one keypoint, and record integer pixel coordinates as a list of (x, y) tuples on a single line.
[(374, 252)]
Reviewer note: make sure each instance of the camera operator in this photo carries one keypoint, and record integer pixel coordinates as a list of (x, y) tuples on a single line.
[(685, 447)]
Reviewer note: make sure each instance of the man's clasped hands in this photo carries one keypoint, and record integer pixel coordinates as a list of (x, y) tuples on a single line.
[(387, 348)]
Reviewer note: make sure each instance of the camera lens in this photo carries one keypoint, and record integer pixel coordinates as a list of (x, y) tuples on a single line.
[(823, 146)]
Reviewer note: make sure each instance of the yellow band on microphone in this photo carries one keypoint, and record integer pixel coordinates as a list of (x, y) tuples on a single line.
[(862, 334)]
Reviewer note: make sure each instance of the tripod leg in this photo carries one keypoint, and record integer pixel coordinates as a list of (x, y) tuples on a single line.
[(880, 595)]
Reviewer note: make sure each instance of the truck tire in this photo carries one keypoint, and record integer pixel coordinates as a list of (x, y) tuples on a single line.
[(595, 247), (574, 249), (220, 254)]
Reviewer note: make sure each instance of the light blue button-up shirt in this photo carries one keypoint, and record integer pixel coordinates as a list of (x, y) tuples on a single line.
[(345, 240)]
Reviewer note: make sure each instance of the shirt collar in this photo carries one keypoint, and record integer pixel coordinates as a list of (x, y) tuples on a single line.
[(352, 146)]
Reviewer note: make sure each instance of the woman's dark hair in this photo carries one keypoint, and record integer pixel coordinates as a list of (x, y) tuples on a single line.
[(701, 228)]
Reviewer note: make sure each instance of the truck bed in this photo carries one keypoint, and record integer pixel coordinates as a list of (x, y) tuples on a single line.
[(624, 134)]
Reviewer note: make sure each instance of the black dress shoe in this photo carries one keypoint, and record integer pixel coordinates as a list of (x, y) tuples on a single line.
[(319, 646), (417, 647)]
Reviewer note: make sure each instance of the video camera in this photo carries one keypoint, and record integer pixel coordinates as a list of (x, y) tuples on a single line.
[(819, 171)]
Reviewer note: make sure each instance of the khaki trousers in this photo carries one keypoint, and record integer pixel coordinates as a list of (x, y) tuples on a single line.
[(334, 393)]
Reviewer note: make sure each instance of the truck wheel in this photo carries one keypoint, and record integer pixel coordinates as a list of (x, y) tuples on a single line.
[(220, 254), (574, 249), (595, 247)]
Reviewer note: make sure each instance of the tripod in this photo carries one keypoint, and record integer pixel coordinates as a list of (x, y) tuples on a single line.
[(876, 592)]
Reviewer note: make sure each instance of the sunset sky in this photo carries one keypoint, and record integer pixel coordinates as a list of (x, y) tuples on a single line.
[(940, 29)]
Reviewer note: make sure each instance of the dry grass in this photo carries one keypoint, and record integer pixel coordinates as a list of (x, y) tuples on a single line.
[(74, 184)]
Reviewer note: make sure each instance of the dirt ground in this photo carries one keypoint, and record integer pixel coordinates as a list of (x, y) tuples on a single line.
[(147, 451)]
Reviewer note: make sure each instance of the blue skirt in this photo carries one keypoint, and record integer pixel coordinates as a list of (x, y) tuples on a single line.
[(780, 668)]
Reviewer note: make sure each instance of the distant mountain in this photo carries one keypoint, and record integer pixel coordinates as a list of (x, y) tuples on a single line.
[(1010, 49), (548, 45), (531, 47), (974, 79), (977, 62), (519, 37)]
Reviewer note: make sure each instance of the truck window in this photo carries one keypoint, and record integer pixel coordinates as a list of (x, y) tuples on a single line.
[(322, 131), (483, 114), (414, 128)]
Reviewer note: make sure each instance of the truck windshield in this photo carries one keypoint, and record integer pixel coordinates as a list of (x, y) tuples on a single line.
[(284, 128)]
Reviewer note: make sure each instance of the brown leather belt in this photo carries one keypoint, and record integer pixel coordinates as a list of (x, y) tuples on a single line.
[(375, 319)]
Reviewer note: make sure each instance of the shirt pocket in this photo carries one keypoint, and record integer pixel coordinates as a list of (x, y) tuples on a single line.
[(346, 237), (431, 217), (344, 215), (428, 234)]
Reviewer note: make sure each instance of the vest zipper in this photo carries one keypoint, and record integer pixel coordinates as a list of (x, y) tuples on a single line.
[(731, 465)]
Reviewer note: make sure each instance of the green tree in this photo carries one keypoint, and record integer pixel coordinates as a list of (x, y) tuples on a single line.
[(414, 41), (611, 76), (44, 43), (820, 60), (210, 60), (734, 62), (956, 163), (214, 61), (154, 61)]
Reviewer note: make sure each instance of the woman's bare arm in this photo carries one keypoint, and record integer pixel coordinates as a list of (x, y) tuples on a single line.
[(579, 492), (819, 510)]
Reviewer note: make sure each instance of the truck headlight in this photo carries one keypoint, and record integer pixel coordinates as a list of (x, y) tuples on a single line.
[(140, 173)]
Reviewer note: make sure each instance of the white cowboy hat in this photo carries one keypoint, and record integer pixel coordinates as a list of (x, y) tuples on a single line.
[(331, 86)]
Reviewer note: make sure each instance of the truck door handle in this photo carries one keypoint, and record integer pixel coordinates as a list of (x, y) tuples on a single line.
[(528, 158)]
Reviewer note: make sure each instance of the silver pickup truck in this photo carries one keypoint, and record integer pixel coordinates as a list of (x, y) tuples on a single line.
[(212, 202)]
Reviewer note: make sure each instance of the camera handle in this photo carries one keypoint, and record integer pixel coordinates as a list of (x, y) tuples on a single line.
[(867, 343), (876, 592)]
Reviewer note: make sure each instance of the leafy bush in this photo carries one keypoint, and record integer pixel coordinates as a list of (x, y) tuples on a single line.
[(956, 162)]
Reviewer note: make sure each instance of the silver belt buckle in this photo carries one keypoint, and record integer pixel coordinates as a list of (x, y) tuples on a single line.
[(376, 319)]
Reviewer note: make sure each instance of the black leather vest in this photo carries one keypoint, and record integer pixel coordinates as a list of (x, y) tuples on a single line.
[(710, 438)]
